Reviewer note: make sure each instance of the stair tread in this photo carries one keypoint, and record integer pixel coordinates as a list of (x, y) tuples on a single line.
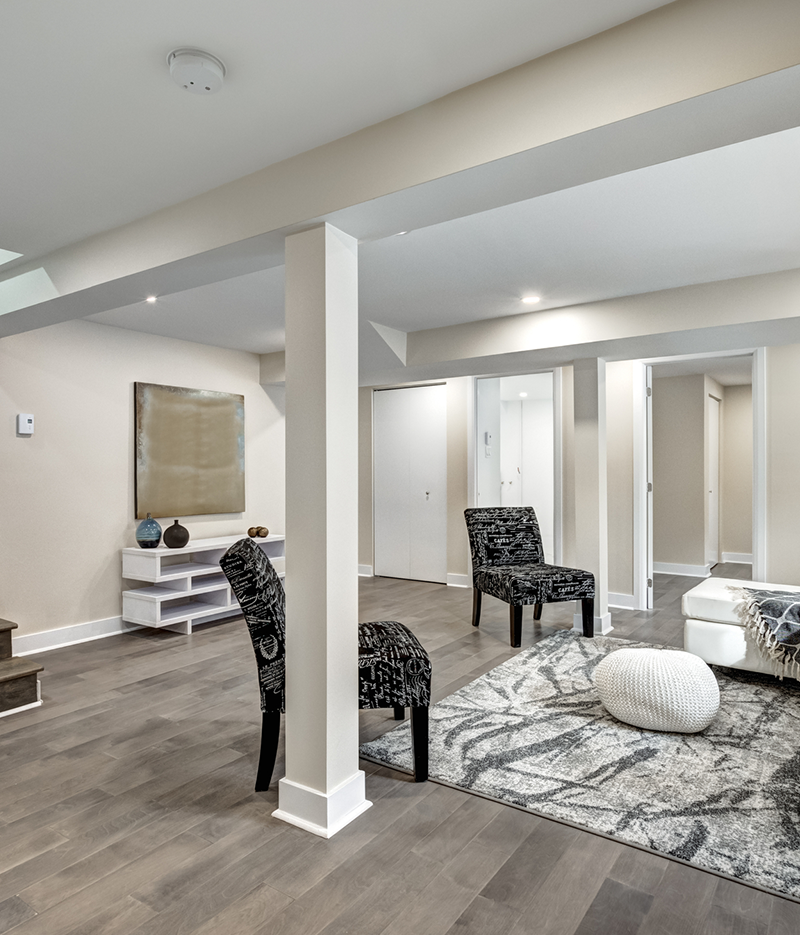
[(16, 668), (7, 625)]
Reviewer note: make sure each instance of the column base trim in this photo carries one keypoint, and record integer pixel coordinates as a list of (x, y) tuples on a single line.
[(738, 558), (365, 571), (602, 625), (458, 581), (322, 813)]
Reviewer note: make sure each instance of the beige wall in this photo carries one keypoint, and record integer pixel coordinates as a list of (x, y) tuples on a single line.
[(619, 433), (458, 406), (67, 493), (783, 457), (679, 500), (712, 388), (736, 504)]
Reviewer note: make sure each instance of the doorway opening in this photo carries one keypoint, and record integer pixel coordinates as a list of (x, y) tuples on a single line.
[(517, 447), (703, 468)]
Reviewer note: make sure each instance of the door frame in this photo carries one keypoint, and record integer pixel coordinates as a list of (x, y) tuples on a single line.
[(643, 465)]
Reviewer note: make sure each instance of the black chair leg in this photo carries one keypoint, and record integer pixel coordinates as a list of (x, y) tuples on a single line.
[(419, 741), (587, 610), (399, 712), (476, 607), (270, 732), (515, 614), (537, 611)]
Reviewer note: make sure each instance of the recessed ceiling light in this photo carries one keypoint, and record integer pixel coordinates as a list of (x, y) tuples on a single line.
[(523, 395), (401, 233), (150, 298), (531, 299)]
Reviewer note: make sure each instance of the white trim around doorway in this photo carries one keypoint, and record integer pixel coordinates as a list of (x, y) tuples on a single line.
[(759, 478)]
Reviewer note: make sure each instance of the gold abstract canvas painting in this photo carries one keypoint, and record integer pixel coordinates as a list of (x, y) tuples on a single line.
[(189, 451)]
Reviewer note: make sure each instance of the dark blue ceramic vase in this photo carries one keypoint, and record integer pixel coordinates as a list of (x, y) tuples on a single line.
[(148, 533)]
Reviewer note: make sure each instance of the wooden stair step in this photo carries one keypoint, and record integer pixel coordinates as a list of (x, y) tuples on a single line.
[(17, 668), (18, 683), (6, 626)]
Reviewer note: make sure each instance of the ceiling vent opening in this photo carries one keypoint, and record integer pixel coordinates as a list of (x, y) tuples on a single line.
[(196, 71)]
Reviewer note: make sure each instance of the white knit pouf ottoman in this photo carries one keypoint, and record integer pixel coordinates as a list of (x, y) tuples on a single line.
[(658, 689)]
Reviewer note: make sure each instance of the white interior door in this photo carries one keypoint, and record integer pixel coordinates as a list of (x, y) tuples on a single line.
[(410, 482), (712, 541)]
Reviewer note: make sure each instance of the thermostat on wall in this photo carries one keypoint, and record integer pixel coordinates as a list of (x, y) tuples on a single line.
[(25, 424)]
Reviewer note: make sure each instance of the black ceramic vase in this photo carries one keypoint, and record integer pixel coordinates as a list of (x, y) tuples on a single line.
[(176, 536)]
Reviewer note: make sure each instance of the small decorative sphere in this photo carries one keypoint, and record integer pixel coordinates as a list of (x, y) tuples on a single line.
[(252, 532), (263, 532), (658, 689)]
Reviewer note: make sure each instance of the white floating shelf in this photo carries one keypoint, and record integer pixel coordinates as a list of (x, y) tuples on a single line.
[(185, 591)]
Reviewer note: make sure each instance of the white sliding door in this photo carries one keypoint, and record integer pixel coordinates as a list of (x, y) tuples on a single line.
[(410, 482)]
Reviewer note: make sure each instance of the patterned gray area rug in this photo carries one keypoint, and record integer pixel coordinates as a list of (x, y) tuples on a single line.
[(532, 732)]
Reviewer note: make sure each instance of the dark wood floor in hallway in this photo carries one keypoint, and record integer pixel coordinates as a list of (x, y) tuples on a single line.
[(126, 806)]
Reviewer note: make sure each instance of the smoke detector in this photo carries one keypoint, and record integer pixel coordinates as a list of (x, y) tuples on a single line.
[(196, 71)]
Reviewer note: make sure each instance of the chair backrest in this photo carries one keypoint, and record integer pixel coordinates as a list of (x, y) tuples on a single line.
[(259, 591), (503, 535)]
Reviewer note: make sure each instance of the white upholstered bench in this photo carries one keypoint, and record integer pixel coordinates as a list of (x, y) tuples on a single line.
[(714, 630)]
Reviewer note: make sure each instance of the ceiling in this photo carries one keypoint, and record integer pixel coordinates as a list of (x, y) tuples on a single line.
[(733, 211), (102, 136)]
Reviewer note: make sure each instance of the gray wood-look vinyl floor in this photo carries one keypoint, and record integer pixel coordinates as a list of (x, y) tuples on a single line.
[(127, 806)]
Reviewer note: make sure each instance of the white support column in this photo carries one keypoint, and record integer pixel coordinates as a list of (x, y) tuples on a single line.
[(591, 484), (323, 789)]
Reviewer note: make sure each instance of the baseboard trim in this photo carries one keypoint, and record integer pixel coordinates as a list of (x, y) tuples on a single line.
[(23, 707), (322, 813), (625, 601), (693, 571), (602, 625), (30, 643), (365, 571), (458, 581), (738, 558)]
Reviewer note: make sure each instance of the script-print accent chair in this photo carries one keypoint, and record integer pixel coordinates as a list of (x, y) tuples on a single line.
[(394, 670), (508, 563)]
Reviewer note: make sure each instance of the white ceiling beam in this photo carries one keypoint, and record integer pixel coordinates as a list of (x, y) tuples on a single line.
[(686, 77)]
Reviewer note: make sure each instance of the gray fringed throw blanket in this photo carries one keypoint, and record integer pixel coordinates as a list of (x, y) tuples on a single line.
[(773, 619)]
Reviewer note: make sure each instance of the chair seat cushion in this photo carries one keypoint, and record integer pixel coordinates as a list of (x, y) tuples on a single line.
[(393, 668), (534, 584)]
